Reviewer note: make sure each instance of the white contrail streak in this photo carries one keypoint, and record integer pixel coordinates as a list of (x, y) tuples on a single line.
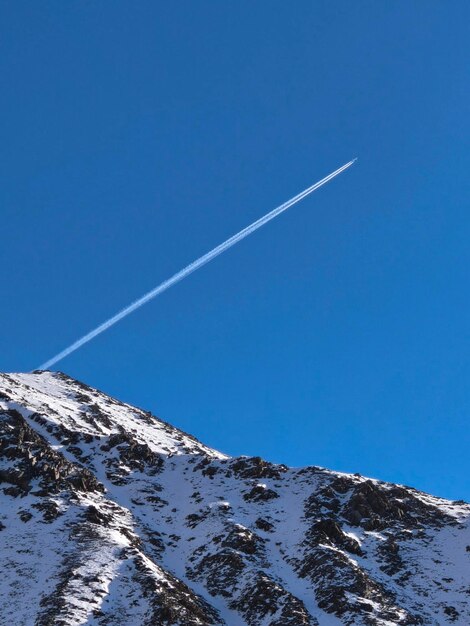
[(189, 269)]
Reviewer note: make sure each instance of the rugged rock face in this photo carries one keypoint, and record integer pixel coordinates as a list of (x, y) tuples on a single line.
[(109, 516)]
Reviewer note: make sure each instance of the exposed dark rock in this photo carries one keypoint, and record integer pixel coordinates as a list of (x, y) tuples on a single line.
[(451, 612), (259, 493), (135, 455), (243, 540), (342, 484), (193, 519), (210, 471), (173, 602), (264, 598), (263, 524), (389, 550), (256, 467), (376, 507), (97, 517), (36, 460), (220, 572), (50, 510), (25, 516), (328, 531)]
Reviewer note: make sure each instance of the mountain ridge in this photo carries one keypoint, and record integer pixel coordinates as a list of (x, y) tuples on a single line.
[(109, 515)]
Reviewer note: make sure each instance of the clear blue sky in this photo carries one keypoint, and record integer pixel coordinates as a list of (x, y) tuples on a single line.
[(137, 135)]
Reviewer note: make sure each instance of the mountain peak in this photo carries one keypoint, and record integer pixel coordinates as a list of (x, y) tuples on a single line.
[(109, 515), (66, 403)]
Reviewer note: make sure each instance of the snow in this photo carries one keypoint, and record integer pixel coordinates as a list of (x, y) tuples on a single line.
[(149, 504)]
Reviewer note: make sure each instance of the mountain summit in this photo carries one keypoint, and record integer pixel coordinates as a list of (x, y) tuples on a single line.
[(110, 516)]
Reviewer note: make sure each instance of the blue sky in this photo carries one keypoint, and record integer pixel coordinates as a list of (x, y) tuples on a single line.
[(136, 136)]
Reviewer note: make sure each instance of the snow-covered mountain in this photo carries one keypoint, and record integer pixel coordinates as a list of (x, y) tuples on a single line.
[(110, 516)]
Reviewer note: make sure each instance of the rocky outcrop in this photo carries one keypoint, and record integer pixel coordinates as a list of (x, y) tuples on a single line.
[(30, 463)]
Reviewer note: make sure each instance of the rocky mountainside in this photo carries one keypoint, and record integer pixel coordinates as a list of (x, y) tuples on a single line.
[(110, 516)]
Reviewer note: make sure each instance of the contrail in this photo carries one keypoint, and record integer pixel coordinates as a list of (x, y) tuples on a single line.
[(189, 269)]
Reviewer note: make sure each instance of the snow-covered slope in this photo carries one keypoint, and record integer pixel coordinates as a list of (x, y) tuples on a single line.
[(109, 516)]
